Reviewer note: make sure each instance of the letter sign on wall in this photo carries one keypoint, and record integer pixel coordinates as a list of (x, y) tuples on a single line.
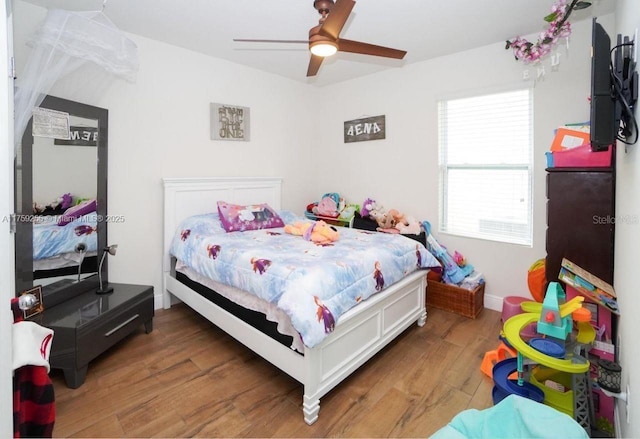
[(359, 130)]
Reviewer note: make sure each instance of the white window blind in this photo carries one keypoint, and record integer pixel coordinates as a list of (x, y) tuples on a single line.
[(486, 145)]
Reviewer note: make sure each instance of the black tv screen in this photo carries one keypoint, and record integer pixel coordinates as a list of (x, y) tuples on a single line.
[(603, 121)]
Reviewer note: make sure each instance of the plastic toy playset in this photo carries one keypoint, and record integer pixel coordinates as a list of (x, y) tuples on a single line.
[(543, 354)]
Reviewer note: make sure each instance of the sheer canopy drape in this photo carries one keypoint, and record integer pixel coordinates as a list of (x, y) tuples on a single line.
[(65, 42)]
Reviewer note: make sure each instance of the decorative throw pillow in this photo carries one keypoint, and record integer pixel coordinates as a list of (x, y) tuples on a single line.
[(77, 211), (235, 217)]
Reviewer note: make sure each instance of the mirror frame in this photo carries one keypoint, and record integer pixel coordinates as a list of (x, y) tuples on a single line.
[(24, 277)]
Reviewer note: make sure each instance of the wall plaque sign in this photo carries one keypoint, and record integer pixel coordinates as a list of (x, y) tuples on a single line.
[(369, 128), (229, 122)]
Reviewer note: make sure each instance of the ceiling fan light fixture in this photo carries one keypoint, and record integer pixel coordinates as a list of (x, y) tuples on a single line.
[(323, 48)]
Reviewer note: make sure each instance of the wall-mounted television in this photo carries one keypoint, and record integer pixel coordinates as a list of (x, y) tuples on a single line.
[(614, 90)]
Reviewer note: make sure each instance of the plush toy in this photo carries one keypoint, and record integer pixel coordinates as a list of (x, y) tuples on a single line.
[(367, 206), (380, 216), (408, 225), (65, 201), (459, 259), (318, 232), (327, 206)]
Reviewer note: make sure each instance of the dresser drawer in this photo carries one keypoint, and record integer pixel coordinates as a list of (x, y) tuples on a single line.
[(113, 327)]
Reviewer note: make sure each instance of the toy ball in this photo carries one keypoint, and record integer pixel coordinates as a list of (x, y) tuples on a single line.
[(536, 280)]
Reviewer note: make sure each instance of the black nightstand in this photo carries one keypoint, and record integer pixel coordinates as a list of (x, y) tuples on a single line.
[(89, 324)]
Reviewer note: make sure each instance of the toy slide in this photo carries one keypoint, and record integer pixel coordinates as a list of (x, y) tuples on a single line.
[(565, 308), (512, 328), (504, 387)]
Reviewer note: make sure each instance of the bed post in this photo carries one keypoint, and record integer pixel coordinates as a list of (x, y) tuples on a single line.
[(311, 397)]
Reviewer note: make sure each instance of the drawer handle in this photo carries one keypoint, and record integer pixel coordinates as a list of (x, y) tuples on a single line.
[(129, 320)]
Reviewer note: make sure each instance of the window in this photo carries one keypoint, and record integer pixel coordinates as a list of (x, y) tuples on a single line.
[(486, 145)]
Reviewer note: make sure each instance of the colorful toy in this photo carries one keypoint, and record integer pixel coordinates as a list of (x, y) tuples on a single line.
[(367, 206), (537, 279), (327, 206), (379, 214), (554, 350), (459, 259), (318, 232), (452, 273), (407, 225), (491, 358)]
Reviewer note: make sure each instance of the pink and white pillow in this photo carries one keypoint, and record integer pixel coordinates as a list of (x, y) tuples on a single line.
[(238, 218)]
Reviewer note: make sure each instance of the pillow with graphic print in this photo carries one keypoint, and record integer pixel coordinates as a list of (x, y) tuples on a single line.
[(237, 218), (77, 211)]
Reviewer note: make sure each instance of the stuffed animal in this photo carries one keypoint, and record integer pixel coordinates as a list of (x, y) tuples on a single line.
[(318, 232), (367, 206), (65, 201), (327, 206), (380, 215), (408, 225)]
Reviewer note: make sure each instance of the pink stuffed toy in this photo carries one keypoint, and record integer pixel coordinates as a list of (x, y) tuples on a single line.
[(326, 207)]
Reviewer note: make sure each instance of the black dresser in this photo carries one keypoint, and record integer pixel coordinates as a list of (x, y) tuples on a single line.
[(581, 220)]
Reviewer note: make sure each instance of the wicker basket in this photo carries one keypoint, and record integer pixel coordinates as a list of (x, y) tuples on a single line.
[(461, 301)]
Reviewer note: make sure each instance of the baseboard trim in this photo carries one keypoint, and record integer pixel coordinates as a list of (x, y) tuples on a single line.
[(493, 302)]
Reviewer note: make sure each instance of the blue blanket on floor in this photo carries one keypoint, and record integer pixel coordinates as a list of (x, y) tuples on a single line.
[(513, 417)]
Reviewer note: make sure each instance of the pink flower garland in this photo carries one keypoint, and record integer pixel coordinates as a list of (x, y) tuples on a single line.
[(559, 27)]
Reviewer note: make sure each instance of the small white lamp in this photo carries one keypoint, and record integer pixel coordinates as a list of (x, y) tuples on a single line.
[(110, 250)]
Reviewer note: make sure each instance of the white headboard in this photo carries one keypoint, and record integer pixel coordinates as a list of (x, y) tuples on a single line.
[(184, 197)]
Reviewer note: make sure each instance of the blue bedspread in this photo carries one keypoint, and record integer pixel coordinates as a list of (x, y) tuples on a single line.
[(314, 285), (50, 239)]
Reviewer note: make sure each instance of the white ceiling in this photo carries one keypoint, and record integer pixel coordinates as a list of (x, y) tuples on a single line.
[(424, 28)]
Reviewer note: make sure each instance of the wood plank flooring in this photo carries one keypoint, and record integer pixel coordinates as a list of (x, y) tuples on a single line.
[(189, 379)]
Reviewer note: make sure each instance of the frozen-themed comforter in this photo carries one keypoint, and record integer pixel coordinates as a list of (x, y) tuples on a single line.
[(50, 239), (314, 285)]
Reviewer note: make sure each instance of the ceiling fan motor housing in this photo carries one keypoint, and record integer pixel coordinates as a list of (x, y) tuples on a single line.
[(323, 7)]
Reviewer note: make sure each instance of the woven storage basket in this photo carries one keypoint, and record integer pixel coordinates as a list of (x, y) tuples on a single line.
[(461, 301)]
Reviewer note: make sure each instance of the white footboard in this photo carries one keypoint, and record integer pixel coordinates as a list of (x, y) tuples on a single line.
[(359, 335)]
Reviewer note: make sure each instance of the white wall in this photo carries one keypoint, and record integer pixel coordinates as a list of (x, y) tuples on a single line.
[(626, 246), (402, 170), (7, 285), (159, 127)]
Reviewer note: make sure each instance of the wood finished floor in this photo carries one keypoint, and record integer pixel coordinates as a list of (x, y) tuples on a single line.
[(189, 379)]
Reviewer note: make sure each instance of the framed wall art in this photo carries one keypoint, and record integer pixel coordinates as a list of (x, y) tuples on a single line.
[(369, 128), (229, 122)]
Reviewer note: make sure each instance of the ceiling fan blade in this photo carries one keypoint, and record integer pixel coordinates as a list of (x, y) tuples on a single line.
[(369, 49), (249, 40), (314, 65), (337, 18)]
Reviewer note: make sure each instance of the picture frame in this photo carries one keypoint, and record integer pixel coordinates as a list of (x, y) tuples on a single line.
[(38, 307), (230, 122)]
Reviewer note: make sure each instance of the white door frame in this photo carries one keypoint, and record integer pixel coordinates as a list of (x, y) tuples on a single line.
[(7, 262)]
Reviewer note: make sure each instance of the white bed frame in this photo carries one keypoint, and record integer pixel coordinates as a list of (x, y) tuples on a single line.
[(359, 334)]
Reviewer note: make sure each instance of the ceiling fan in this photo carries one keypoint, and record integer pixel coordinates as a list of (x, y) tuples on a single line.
[(324, 38)]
